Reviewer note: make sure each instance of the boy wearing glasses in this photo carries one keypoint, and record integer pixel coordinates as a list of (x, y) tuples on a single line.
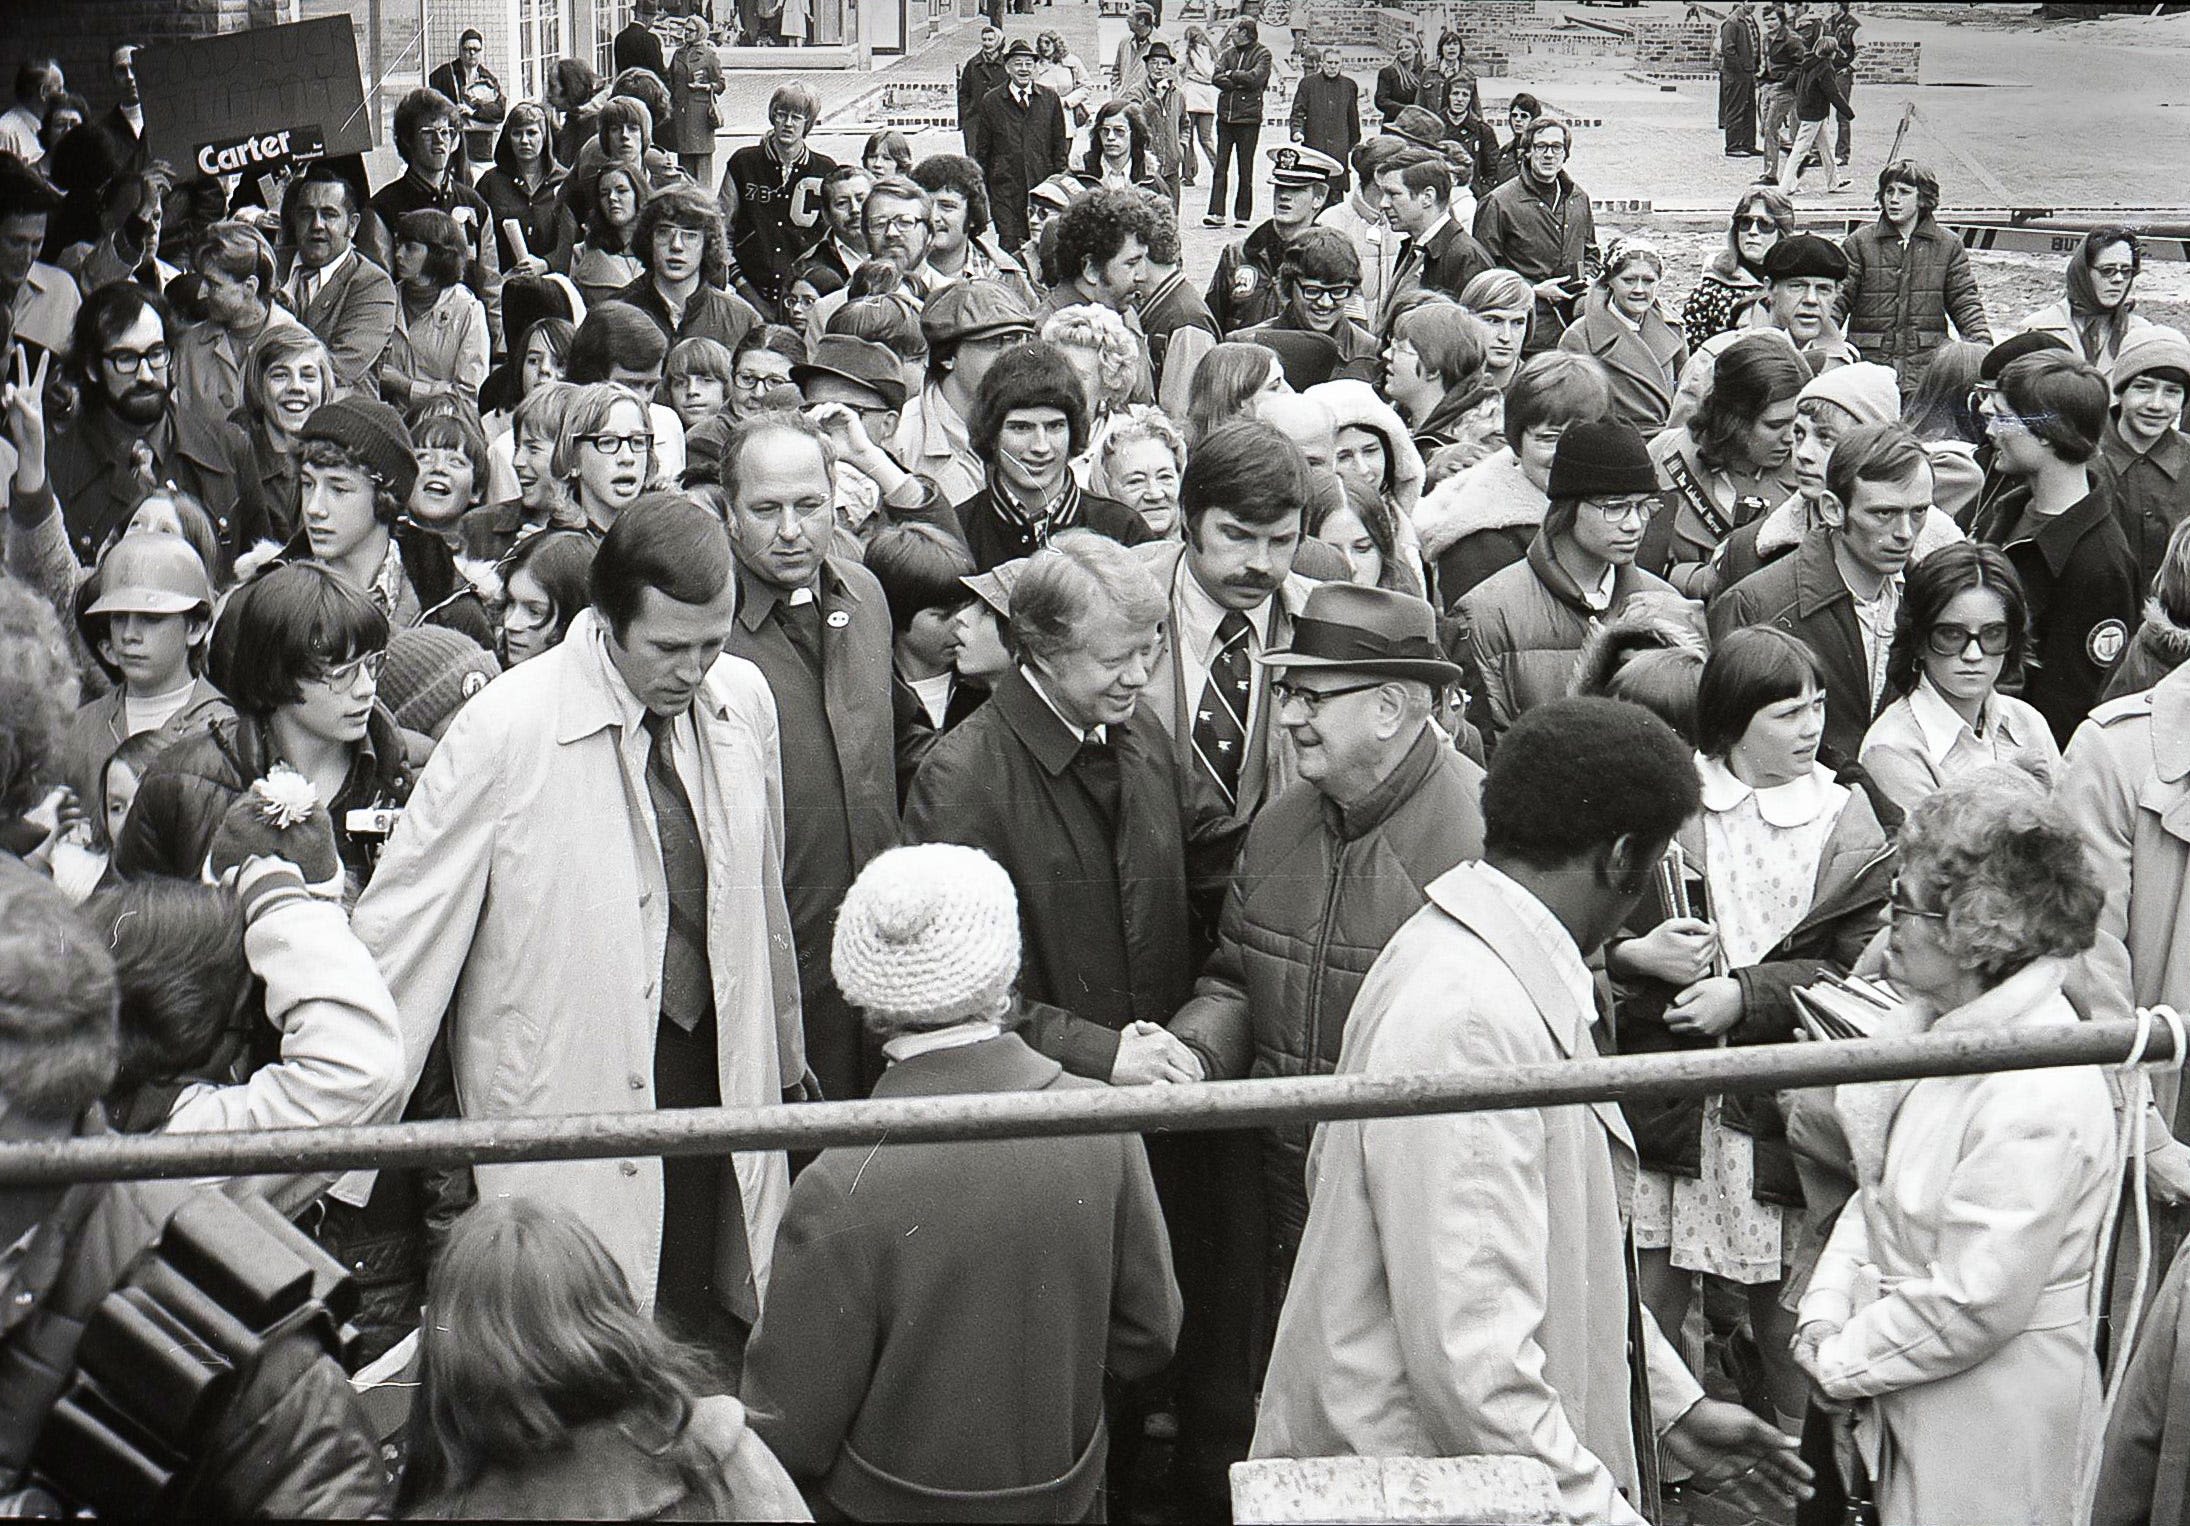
[(1319, 276), (428, 135), (1528, 621), (1840, 590)]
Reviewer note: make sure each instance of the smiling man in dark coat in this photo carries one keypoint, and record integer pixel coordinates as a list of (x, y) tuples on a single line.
[(1019, 139)]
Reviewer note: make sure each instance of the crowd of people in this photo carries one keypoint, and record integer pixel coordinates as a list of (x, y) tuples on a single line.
[(547, 635)]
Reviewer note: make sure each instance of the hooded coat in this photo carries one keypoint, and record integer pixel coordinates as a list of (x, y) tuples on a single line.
[(1479, 522)]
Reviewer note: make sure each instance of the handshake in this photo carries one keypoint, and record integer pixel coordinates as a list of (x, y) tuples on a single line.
[(1150, 1055)]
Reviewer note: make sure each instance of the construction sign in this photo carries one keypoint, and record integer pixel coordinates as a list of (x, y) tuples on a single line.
[(255, 100)]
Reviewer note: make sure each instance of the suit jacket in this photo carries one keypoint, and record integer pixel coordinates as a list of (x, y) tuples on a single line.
[(1102, 907), (1438, 1311), (1805, 595), (1270, 764), (354, 313), (995, 1282)]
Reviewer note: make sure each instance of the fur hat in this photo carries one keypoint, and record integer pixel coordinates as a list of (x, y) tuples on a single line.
[(928, 936)]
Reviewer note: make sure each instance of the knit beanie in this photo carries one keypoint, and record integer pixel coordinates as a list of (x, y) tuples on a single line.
[(2158, 348), (1601, 459), (1868, 390), (431, 671), (278, 817), (928, 936), (374, 433)]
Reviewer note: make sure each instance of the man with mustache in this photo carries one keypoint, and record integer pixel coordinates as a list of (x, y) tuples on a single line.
[(128, 438)]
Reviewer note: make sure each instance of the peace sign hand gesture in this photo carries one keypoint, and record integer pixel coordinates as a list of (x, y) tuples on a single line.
[(23, 416)]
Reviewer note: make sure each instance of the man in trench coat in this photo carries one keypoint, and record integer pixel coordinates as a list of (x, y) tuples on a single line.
[(1019, 139)]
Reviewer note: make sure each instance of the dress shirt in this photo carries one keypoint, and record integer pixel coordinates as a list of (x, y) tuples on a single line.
[(1100, 735), (1196, 617), (1877, 619)]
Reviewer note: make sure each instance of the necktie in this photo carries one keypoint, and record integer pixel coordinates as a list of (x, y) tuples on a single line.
[(1021, 96), (802, 626), (1220, 721), (687, 984), (307, 288), (1097, 765)]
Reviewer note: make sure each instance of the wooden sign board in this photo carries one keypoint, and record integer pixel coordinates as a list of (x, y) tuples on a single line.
[(252, 100)]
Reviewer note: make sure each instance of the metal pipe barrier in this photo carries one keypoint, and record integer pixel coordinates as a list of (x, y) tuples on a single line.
[(1024, 1115)]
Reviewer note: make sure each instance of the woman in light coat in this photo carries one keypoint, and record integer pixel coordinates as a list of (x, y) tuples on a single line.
[(2100, 310), (1953, 1305), (696, 83), (1623, 326)]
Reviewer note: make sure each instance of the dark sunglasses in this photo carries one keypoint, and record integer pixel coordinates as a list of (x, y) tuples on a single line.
[(1954, 640)]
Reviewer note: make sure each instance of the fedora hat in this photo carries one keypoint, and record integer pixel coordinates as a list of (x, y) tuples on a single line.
[(1366, 630)]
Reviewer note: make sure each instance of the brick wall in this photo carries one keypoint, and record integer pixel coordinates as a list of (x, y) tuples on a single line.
[(81, 33), (1673, 44)]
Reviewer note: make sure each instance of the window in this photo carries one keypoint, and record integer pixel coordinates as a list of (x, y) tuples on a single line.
[(539, 43), (609, 17)]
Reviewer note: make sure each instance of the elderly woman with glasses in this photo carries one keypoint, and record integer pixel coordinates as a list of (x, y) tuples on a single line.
[(1963, 631), (1951, 1306)]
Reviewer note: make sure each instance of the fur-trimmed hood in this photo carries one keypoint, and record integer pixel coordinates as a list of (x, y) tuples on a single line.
[(2160, 630), (1355, 405), (1493, 494)]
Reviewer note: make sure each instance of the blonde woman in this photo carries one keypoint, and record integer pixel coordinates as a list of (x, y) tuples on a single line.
[(1106, 357)]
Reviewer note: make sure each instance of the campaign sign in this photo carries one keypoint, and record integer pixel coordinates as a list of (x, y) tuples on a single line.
[(242, 101)]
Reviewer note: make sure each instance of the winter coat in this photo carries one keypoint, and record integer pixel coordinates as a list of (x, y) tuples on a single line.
[(1243, 289), (1716, 302), (444, 349), (980, 75), (1539, 236), (100, 727), (1761, 542), (1327, 114), (1446, 261), (1805, 596), (539, 785), (2081, 580), (606, 1475), (537, 213), (695, 85), (1321, 888), (2125, 782), (1526, 626), (287, 1441), (189, 787), (992, 537), (1643, 365), (1241, 77), (1396, 89), (1702, 508), (87, 464), (2144, 1472), (1848, 894), (1479, 522), (1018, 150), (2056, 320), (937, 1344), (1958, 1282), (446, 596), (2151, 494), (1102, 909), (1441, 1312), (1899, 297), (2159, 647)]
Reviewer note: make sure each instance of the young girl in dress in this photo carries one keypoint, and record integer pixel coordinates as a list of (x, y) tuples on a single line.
[(1783, 876)]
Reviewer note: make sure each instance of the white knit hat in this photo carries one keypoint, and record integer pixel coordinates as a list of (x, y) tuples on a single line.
[(1865, 389), (928, 936)]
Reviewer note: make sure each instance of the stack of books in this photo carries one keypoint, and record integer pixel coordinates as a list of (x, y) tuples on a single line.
[(1851, 1007)]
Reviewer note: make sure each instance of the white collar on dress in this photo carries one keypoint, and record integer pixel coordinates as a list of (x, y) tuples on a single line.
[(1796, 803)]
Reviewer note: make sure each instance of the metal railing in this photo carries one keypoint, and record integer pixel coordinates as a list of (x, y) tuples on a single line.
[(1021, 1115)]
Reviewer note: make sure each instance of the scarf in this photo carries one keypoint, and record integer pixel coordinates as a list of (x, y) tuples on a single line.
[(2098, 329)]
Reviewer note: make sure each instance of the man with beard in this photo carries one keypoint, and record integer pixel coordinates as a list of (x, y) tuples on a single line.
[(127, 437), (898, 222), (679, 238), (343, 297), (428, 133), (41, 299), (843, 198), (983, 72), (771, 195), (1019, 141), (1102, 260)]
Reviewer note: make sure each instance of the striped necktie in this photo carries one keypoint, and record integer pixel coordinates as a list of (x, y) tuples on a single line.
[(1220, 721)]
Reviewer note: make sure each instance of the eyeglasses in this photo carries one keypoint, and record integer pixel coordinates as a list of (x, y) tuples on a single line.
[(1547, 148), (1313, 700), (1899, 906), (616, 444), (748, 381), (1982, 398), (345, 675), (1617, 511), (1317, 294), (1754, 225), (2114, 272), (129, 362), (1954, 640), (679, 238), (441, 134), (899, 224)]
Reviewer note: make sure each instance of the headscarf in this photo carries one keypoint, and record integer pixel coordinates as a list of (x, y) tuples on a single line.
[(2099, 330)]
